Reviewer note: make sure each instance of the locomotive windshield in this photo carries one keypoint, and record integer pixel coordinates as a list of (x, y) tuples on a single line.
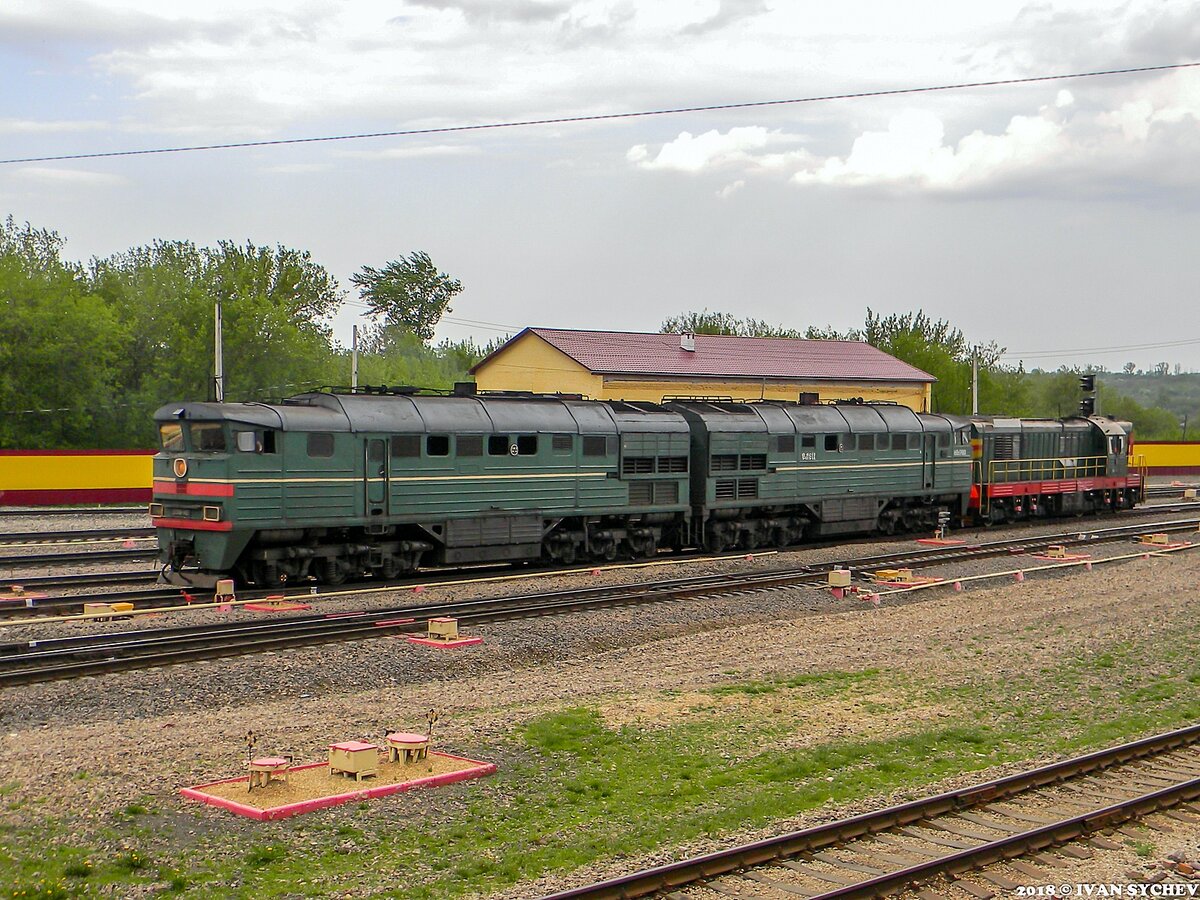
[(207, 436), (170, 435)]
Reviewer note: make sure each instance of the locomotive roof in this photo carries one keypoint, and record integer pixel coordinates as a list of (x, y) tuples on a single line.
[(407, 414), (777, 417)]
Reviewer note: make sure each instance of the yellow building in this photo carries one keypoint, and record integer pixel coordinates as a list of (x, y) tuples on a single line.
[(614, 365)]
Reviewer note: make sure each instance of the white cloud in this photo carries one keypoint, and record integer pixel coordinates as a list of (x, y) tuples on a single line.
[(416, 152), (48, 126), (913, 151), (732, 188), (739, 147), (70, 177)]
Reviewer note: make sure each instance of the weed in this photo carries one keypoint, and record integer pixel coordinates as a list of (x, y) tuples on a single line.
[(260, 856), (130, 861)]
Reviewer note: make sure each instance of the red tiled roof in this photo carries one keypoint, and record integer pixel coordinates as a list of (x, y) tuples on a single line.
[(717, 355)]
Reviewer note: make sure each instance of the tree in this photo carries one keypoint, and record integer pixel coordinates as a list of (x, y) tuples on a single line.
[(409, 293), (57, 347), (276, 303)]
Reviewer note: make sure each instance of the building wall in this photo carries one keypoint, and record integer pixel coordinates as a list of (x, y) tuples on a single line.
[(532, 364), (616, 387), (37, 477), (1169, 457)]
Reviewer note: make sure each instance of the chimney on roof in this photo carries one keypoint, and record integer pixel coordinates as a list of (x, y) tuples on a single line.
[(687, 341)]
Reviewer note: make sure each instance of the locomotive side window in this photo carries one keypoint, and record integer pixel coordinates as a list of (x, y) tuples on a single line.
[(469, 444), (320, 445), (437, 445), (406, 445), (170, 435), (208, 437), (562, 443), (831, 442), (899, 441), (943, 439), (255, 441), (866, 442), (785, 443), (498, 445), (808, 441), (595, 445), (527, 445)]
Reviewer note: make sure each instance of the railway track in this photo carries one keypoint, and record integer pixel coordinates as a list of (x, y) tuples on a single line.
[(50, 659), (174, 596), (957, 835)]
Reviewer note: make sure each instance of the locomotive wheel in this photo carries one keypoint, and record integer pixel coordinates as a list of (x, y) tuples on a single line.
[(566, 556), (332, 571)]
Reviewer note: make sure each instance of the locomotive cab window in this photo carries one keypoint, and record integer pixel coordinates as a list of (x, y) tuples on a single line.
[(831, 443), (808, 442), (943, 439), (208, 437), (785, 443), (498, 445), (170, 435), (527, 445), (437, 445), (320, 445)]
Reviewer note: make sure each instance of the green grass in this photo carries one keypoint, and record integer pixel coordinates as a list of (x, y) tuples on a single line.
[(574, 790)]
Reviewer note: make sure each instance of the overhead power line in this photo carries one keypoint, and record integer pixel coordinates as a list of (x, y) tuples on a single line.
[(602, 117), (1036, 354)]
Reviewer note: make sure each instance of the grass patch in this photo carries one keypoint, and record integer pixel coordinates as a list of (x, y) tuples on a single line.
[(832, 680)]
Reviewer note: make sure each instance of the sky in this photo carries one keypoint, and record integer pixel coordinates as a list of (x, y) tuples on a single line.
[(1057, 219)]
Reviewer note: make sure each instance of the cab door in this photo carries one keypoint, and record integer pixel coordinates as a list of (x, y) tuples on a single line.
[(928, 456), (375, 476)]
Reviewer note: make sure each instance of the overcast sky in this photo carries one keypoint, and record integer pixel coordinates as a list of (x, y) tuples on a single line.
[(1047, 217)]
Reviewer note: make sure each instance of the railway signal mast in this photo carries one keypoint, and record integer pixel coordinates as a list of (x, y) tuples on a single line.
[(1087, 384)]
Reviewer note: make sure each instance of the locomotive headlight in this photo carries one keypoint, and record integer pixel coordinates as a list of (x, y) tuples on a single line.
[(156, 510), (179, 466), (212, 514)]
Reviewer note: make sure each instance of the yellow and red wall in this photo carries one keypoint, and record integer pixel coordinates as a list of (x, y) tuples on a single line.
[(1169, 457), (52, 477)]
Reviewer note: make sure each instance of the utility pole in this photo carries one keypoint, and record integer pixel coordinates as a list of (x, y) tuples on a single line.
[(218, 358), (354, 360), (975, 383)]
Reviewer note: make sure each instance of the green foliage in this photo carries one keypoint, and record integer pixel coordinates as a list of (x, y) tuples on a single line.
[(706, 322), (410, 294), (58, 343), (275, 306)]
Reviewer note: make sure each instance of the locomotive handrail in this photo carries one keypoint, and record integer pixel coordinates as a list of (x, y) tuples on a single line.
[(1007, 471)]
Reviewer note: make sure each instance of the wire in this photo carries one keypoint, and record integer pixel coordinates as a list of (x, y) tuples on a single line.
[(602, 117), (1034, 354)]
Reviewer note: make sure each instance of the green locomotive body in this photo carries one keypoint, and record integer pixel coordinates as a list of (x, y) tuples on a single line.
[(334, 485)]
